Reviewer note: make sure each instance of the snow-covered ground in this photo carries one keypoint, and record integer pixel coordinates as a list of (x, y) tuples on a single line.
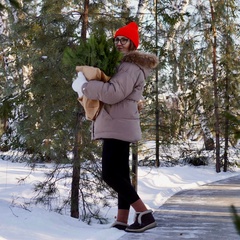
[(30, 222)]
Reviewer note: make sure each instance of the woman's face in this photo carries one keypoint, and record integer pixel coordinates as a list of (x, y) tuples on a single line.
[(122, 44)]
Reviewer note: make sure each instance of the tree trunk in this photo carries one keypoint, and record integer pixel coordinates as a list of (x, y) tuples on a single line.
[(142, 6), (226, 133), (157, 92), (78, 139), (182, 8), (76, 167), (215, 85), (85, 20), (207, 135)]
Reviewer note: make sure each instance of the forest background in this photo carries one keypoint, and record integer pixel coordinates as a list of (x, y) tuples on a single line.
[(193, 96)]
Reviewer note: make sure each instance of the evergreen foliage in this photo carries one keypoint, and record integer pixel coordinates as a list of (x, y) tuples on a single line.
[(48, 100), (97, 52), (236, 218), (48, 107)]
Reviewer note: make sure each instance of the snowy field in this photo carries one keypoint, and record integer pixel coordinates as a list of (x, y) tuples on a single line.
[(19, 221)]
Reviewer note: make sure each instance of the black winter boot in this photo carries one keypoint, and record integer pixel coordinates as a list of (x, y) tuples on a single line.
[(119, 225), (143, 222)]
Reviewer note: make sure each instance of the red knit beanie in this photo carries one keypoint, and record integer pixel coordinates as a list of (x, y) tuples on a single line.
[(129, 31)]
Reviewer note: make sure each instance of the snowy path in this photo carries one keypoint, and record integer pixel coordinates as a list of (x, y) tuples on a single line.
[(201, 213), (20, 221)]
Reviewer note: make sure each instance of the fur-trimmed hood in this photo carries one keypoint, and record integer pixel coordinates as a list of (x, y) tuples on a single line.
[(143, 60)]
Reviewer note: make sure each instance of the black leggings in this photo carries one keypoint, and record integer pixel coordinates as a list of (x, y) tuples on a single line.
[(115, 171)]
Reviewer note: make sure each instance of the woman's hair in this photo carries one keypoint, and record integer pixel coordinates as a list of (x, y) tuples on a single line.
[(132, 47)]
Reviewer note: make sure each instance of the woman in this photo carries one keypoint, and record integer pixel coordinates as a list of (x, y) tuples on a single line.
[(118, 123)]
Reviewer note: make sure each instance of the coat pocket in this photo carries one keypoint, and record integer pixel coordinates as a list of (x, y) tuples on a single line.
[(104, 114)]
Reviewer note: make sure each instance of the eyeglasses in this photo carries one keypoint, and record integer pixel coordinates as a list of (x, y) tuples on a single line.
[(123, 41)]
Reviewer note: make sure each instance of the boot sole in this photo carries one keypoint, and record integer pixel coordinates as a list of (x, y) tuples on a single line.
[(140, 230)]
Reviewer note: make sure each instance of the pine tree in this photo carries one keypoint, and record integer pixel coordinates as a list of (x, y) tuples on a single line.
[(96, 52), (186, 69), (45, 101), (229, 74)]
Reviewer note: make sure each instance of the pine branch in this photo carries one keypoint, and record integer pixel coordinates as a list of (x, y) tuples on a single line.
[(236, 218)]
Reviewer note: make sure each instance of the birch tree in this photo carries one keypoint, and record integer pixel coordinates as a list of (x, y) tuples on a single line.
[(9, 74)]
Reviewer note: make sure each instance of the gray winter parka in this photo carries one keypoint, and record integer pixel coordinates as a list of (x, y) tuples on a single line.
[(119, 116)]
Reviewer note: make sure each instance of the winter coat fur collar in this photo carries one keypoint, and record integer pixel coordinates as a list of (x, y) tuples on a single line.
[(143, 60)]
